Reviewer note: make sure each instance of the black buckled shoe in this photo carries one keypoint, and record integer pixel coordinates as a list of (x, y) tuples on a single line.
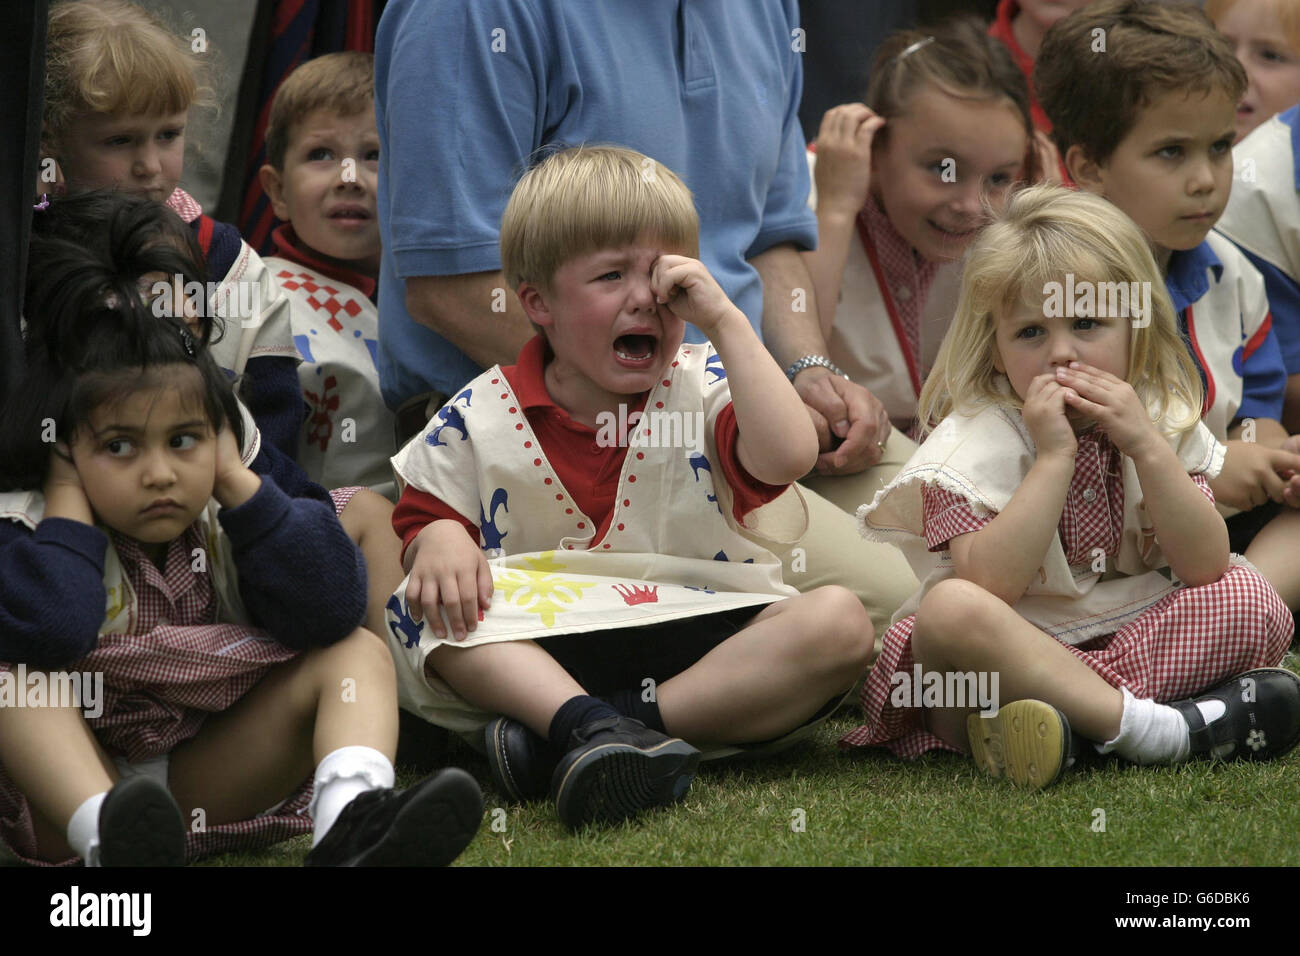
[(140, 825), (1262, 720), (521, 763), (1027, 740), (427, 825), (618, 767)]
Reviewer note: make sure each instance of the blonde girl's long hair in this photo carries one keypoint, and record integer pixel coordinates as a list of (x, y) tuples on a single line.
[(1044, 234)]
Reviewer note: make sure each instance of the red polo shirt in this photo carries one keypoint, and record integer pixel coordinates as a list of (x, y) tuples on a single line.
[(588, 471)]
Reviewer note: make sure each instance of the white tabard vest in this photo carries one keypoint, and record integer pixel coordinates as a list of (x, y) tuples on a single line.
[(1263, 214), (671, 550), (1229, 316), (253, 312), (348, 437), (121, 612), (867, 340), (984, 457)]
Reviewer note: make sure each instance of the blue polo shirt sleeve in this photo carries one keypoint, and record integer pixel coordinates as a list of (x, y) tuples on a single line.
[(786, 216), (1263, 376), (1284, 304), (461, 89)]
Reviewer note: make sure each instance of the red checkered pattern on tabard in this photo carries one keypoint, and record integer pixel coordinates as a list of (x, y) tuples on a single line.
[(907, 274), (322, 298), (162, 682)]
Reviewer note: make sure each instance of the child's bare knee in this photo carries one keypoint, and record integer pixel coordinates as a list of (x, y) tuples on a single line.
[(951, 608), (361, 651), (366, 514), (841, 629)]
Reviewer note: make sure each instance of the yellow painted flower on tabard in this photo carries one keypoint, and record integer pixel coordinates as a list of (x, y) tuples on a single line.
[(539, 590)]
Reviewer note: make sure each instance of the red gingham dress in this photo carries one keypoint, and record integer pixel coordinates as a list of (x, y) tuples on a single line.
[(1188, 642), (161, 683)]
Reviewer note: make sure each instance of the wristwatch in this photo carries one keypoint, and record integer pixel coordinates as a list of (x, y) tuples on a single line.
[(808, 361)]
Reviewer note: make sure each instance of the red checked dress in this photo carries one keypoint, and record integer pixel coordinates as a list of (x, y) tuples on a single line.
[(1191, 640), (162, 680)]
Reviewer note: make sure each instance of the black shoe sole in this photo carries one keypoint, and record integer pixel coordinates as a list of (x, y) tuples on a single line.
[(613, 782), (141, 825), (433, 827)]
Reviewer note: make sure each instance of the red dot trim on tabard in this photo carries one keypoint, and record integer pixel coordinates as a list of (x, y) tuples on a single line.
[(495, 380), (640, 454), (620, 527), (549, 481), (537, 461), (528, 444), (626, 503), (519, 426), (568, 511), (631, 477), (659, 404), (582, 524), (605, 546), (559, 497), (513, 409)]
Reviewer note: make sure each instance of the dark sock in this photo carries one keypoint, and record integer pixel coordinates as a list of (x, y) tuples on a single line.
[(573, 713), (632, 703)]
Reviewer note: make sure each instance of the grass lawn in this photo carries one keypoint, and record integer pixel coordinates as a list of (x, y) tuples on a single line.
[(869, 809)]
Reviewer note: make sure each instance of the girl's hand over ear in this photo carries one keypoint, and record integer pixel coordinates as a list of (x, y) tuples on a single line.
[(234, 483), (843, 170), (65, 495)]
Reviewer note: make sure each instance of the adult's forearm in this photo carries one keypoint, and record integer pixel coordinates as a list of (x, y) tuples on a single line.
[(825, 264), (790, 326), (475, 312)]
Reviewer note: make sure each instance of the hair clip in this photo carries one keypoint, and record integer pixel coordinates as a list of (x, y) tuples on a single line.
[(43, 205), (923, 42), (187, 341)]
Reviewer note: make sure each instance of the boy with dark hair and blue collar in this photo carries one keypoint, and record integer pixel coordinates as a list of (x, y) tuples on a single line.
[(1142, 96)]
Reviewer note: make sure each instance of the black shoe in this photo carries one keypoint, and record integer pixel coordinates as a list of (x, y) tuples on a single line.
[(521, 763), (140, 825), (427, 825), (1028, 740), (616, 768), (1262, 721)]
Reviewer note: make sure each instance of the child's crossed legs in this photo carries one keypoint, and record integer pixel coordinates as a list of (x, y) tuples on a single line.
[(761, 683)]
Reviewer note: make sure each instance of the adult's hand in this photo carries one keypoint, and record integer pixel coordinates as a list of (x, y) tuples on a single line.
[(842, 409)]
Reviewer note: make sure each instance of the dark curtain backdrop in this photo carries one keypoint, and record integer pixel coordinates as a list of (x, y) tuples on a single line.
[(22, 71), (842, 35)]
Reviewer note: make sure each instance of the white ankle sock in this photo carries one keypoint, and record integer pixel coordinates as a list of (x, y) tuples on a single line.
[(83, 829), (342, 776), (1149, 732)]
